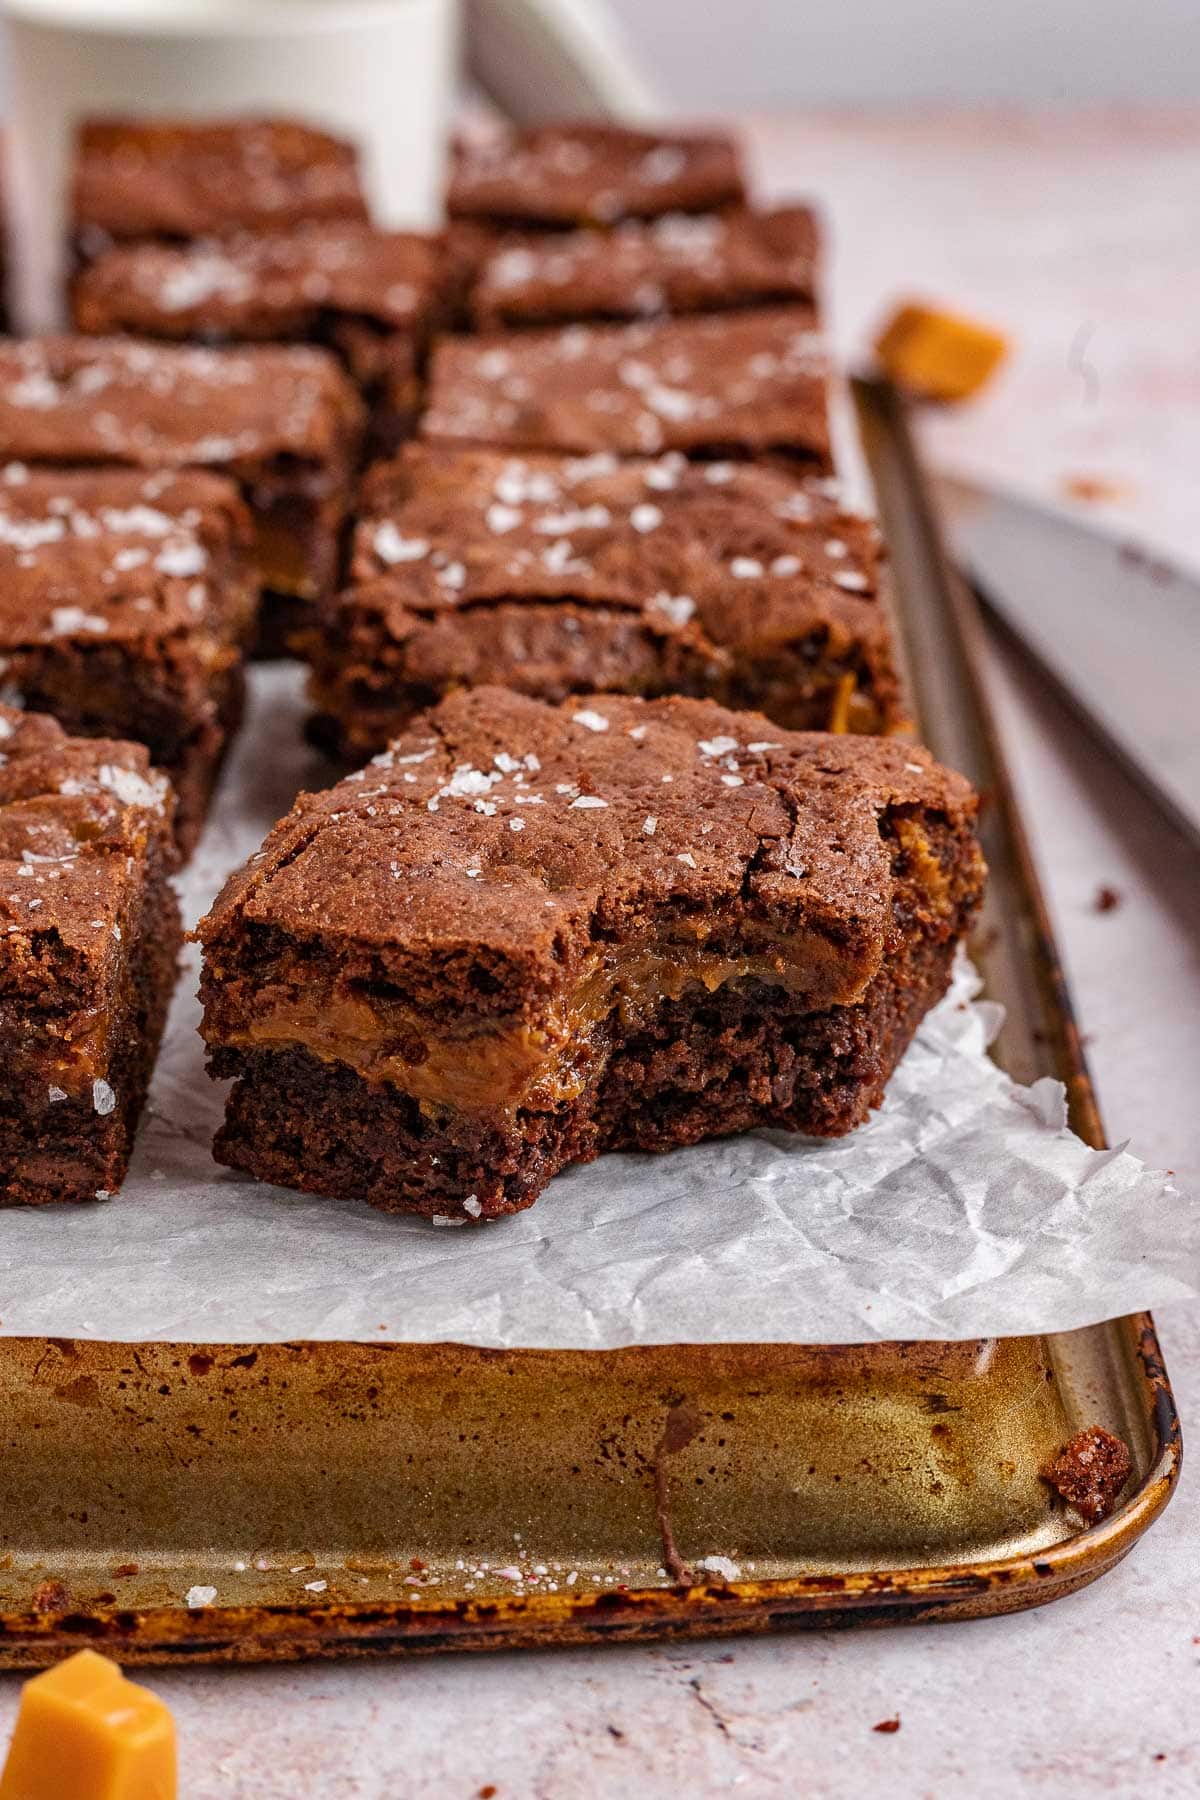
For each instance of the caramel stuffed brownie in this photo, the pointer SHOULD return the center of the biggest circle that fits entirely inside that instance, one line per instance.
(710, 262)
(728, 385)
(89, 935)
(374, 296)
(126, 602)
(283, 421)
(591, 174)
(176, 179)
(560, 575)
(528, 934)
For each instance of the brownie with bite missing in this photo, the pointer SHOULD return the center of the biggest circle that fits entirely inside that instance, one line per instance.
(126, 604)
(727, 385)
(527, 934)
(283, 421)
(562, 575)
(89, 937)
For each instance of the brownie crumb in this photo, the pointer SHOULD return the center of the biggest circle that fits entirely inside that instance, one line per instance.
(1107, 899)
(1090, 1471)
(887, 1726)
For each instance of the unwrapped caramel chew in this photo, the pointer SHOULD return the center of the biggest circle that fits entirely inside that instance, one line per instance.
(938, 355)
(85, 1733)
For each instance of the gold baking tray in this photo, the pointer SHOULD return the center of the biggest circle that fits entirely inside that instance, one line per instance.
(343, 1499)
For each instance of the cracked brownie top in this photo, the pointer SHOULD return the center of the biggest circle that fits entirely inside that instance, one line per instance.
(94, 556)
(491, 856)
(736, 383)
(595, 174)
(120, 400)
(183, 178)
(682, 263)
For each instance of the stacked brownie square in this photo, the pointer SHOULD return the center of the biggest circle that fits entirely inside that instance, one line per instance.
(253, 231)
(126, 601)
(600, 886)
(283, 422)
(89, 935)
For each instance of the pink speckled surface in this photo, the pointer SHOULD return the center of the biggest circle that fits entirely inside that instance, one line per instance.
(1081, 237)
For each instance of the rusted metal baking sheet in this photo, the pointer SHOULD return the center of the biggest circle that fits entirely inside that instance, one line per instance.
(244, 1503)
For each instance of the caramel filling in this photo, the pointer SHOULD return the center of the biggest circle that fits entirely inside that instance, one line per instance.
(532, 1065)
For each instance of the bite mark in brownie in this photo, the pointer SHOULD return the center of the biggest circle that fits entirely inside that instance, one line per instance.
(283, 421)
(374, 296)
(581, 173)
(527, 934)
(176, 179)
(682, 263)
(725, 385)
(89, 936)
(564, 575)
(126, 603)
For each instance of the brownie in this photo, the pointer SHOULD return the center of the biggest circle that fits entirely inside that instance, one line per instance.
(283, 421)
(737, 385)
(682, 263)
(559, 575)
(372, 295)
(527, 934)
(126, 601)
(176, 179)
(591, 174)
(89, 937)
(1090, 1471)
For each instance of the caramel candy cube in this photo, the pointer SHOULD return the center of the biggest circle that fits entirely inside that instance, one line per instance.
(938, 355)
(85, 1733)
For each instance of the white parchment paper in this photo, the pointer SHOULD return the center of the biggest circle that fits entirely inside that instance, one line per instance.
(964, 1208)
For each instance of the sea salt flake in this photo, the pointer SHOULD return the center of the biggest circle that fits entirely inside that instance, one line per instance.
(591, 721)
(66, 619)
(645, 517)
(718, 746)
(392, 547)
(500, 518)
(472, 1205)
(649, 825)
(199, 1596)
(745, 568)
(685, 856)
(181, 559)
(588, 800)
(721, 1565)
(849, 579)
(103, 1098)
(677, 607)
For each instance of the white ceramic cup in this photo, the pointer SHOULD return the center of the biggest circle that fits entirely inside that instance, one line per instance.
(380, 72)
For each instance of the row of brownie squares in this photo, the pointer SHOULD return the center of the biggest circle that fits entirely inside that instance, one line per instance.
(649, 553)
(769, 623)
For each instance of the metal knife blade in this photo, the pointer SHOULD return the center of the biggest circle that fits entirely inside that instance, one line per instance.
(1116, 627)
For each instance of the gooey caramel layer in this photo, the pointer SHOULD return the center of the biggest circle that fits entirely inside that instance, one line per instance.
(531, 1066)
